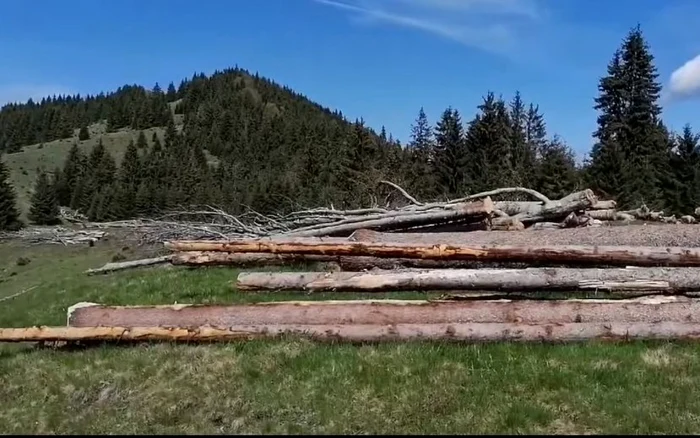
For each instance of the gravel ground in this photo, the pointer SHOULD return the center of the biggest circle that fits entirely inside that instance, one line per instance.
(629, 235)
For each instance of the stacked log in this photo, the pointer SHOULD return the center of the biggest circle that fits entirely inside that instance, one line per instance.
(667, 318)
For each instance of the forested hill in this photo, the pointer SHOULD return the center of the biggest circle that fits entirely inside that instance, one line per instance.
(275, 149)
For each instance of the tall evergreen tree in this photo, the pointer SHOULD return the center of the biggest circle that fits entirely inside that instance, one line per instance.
(9, 215)
(630, 158)
(489, 145)
(422, 149)
(449, 160)
(74, 168)
(523, 152)
(44, 203)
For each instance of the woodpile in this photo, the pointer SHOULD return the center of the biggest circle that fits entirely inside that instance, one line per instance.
(490, 292)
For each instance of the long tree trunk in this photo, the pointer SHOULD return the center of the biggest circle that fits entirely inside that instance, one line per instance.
(534, 279)
(389, 312)
(400, 219)
(564, 254)
(345, 263)
(528, 212)
(463, 332)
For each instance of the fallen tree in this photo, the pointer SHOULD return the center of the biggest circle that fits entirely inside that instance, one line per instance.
(462, 332)
(651, 310)
(565, 254)
(667, 280)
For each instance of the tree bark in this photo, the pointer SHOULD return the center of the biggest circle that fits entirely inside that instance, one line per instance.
(667, 280)
(460, 332)
(651, 309)
(564, 254)
(399, 219)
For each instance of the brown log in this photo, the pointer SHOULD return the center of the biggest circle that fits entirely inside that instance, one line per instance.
(667, 280)
(462, 332)
(399, 219)
(564, 254)
(346, 263)
(651, 309)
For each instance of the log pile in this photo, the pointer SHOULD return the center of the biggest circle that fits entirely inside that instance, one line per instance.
(492, 290)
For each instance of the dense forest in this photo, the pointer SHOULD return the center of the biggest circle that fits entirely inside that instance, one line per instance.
(276, 150)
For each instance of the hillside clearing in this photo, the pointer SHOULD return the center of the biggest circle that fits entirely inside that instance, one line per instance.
(295, 386)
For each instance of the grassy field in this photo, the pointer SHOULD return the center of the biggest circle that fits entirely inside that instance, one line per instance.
(296, 386)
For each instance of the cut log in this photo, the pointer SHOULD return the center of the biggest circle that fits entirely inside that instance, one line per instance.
(346, 263)
(457, 332)
(571, 254)
(652, 309)
(610, 215)
(667, 280)
(111, 267)
(399, 219)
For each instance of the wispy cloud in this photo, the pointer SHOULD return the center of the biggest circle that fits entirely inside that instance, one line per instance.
(20, 93)
(484, 24)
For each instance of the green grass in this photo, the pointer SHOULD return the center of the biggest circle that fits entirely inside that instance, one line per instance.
(297, 386)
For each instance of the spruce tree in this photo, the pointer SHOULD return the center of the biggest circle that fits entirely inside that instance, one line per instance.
(44, 204)
(489, 145)
(421, 147)
(523, 152)
(449, 162)
(141, 142)
(630, 158)
(9, 215)
(84, 134)
(556, 174)
(74, 168)
(686, 168)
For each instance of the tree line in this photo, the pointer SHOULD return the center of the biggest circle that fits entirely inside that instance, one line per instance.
(249, 143)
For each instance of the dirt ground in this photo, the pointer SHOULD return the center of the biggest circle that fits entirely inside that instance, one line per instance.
(630, 235)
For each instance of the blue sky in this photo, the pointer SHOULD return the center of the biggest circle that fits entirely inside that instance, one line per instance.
(378, 59)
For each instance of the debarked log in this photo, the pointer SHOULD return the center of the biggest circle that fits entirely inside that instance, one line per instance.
(457, 332)
(667, 280)
(651, 309)
(562, 254)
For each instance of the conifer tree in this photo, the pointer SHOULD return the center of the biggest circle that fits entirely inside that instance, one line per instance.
(83, 134)
(629, 161)
(9, 215)
(523, 152)
(422, 149)
(74, 168)
(449, 161)
(556, 173)
(44, 204)
(489, 145)
(141, 142)
(685, 162)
